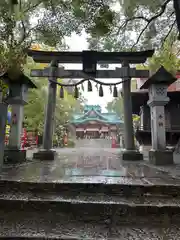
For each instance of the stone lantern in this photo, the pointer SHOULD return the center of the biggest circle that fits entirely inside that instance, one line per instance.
(157, 86)
(17, 98)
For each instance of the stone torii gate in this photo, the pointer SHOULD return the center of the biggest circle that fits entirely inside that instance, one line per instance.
(89, 61)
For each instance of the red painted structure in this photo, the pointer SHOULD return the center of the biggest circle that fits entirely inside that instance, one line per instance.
(173, 87)
(65, 139)
(113, 143)
(28, 139)
(23, 139)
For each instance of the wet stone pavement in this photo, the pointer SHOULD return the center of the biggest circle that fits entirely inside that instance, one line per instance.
(93, 165)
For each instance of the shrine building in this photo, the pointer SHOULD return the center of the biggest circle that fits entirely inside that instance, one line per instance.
(93, 123)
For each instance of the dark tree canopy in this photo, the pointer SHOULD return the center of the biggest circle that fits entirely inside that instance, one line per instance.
(128, 24)
(110, 24)
(139, 24)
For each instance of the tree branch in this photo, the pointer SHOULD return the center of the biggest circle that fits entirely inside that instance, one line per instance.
(141, 33)
(163, 8)
(24, 31)
(32, 7)
(125, 23)
(170, 29)
(26, 34)
(150, 20)
(176, 4)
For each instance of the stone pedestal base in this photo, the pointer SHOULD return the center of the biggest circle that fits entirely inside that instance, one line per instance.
(161, 157)
(44, 155)
(13, 156)
(129, 155)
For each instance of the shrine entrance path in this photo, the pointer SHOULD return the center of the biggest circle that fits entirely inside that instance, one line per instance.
(90, 164)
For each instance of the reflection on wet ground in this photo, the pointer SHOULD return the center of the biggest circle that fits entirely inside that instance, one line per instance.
(90, 165)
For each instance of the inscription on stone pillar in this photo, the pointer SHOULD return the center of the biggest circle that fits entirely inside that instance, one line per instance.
(161, 120)
(156, 103)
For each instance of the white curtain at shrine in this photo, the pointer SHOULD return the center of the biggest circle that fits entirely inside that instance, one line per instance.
(92, 129)
(79, 129)
(104, 129)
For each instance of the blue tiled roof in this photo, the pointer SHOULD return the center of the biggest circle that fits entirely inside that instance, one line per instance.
(90, 107)
(108, 117)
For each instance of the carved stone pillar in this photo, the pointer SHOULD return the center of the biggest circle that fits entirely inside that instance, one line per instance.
(17, 99)
(157, 100)
(157, 86)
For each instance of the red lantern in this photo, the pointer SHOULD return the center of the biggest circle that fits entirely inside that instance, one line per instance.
(24, 139)
(113, 143)
(65, 139)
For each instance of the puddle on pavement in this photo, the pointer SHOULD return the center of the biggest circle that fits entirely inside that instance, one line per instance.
(56, 170)
(84, 172)
(82, 163)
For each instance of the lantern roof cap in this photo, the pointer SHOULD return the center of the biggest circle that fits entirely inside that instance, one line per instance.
(21, 79)
(161, 76)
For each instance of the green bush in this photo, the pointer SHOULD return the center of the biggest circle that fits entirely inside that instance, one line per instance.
(60, 143)
(71, 143)
(55, 142)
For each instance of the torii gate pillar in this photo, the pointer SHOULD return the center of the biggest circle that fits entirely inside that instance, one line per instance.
(130, 153)
(47, 153)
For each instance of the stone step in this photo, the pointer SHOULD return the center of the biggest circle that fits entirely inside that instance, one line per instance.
(91, 211)
(91, 207)
(53, 225)
(84, 199)
(125, 188)
(122, 233)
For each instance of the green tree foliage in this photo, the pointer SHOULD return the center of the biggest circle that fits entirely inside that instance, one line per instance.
(167, 57)
(20, 27)
(46, 21)
(49, 21)
(37, 99)
(116, 105)
(125, 24)
(34, 110)
(111, 24)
